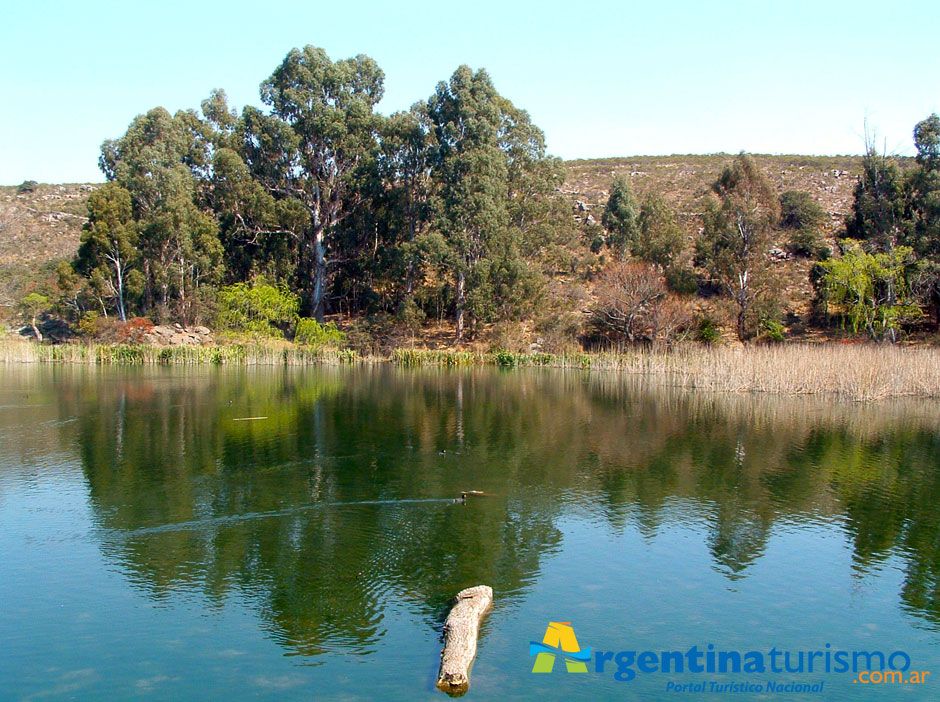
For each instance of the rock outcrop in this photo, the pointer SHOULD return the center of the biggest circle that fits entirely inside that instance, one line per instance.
(177, 335)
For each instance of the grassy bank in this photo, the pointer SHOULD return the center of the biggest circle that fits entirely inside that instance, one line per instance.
(847, 371)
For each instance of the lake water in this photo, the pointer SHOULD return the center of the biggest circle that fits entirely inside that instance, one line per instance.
(153, 546)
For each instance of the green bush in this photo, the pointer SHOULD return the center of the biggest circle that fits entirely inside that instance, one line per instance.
(27, 186)
(798, 210)
(88, 324)
(708, 331)
(681, 280)
(772, 330)
(309, 332)
(258, 309)
(808, 243)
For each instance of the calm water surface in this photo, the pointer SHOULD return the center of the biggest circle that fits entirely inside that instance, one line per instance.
(152, 547)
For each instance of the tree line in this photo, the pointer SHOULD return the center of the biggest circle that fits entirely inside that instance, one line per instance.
(439, 210)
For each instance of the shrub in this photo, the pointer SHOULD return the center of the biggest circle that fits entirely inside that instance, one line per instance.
(310, 332)
(772, 330)
(88, 324)
(258, 309)
(682, 280)
(809, 244)
(508, 336)
(634, 305)
(798, 210)
(376, 335)
(708, 331)
(27, 186)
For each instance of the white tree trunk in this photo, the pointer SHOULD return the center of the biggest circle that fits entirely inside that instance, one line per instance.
(461, 301)
(318, 302)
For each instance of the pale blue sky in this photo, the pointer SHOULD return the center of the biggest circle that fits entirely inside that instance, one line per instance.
(602, 78)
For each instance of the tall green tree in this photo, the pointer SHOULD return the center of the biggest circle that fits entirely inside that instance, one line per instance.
(621, 216)
(471, 175)
(163, 162)
(321, 128)
(736, 239)
(922, 233)
(493, 196)
(878, 210)
(108, 249)
(384, 258)
(659, 238)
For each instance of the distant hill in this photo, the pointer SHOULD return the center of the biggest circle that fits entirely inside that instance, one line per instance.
(38, 228)
(685, 180)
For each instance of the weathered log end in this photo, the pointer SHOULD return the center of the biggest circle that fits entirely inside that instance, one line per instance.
(461, 629)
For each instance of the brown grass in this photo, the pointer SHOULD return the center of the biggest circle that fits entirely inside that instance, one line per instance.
(860, 372)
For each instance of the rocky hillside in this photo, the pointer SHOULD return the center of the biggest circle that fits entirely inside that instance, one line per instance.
(38, 228)
(685, 182)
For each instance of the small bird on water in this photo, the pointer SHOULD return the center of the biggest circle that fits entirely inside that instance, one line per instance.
(461, 499)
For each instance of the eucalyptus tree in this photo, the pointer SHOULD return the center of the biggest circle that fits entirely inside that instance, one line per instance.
(492, 195)
(108, 250)
(536, 208)
(258, 233)
(620, 217)
(382, 239)
(163, 161)
(470, 175)
(878, 210)
(922, 232)
(659, 238)
(405, 163)
(736, 239)
(320, 130)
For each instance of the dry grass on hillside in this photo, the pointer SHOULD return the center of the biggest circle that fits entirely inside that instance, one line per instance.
(685, 180)
(41, 225)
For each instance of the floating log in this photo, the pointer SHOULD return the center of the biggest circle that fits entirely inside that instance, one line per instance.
(247, 419)
(460, 638)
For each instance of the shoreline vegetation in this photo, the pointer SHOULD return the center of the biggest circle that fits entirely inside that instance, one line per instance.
(854, 372)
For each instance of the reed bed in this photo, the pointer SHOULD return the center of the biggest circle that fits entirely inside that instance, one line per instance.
(15, 351)
(857, 372)
(861, 372)
(849, 371)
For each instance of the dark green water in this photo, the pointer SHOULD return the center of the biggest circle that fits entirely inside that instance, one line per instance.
(152, 547)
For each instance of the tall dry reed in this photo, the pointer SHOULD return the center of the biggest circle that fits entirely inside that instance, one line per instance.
(848, 371)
